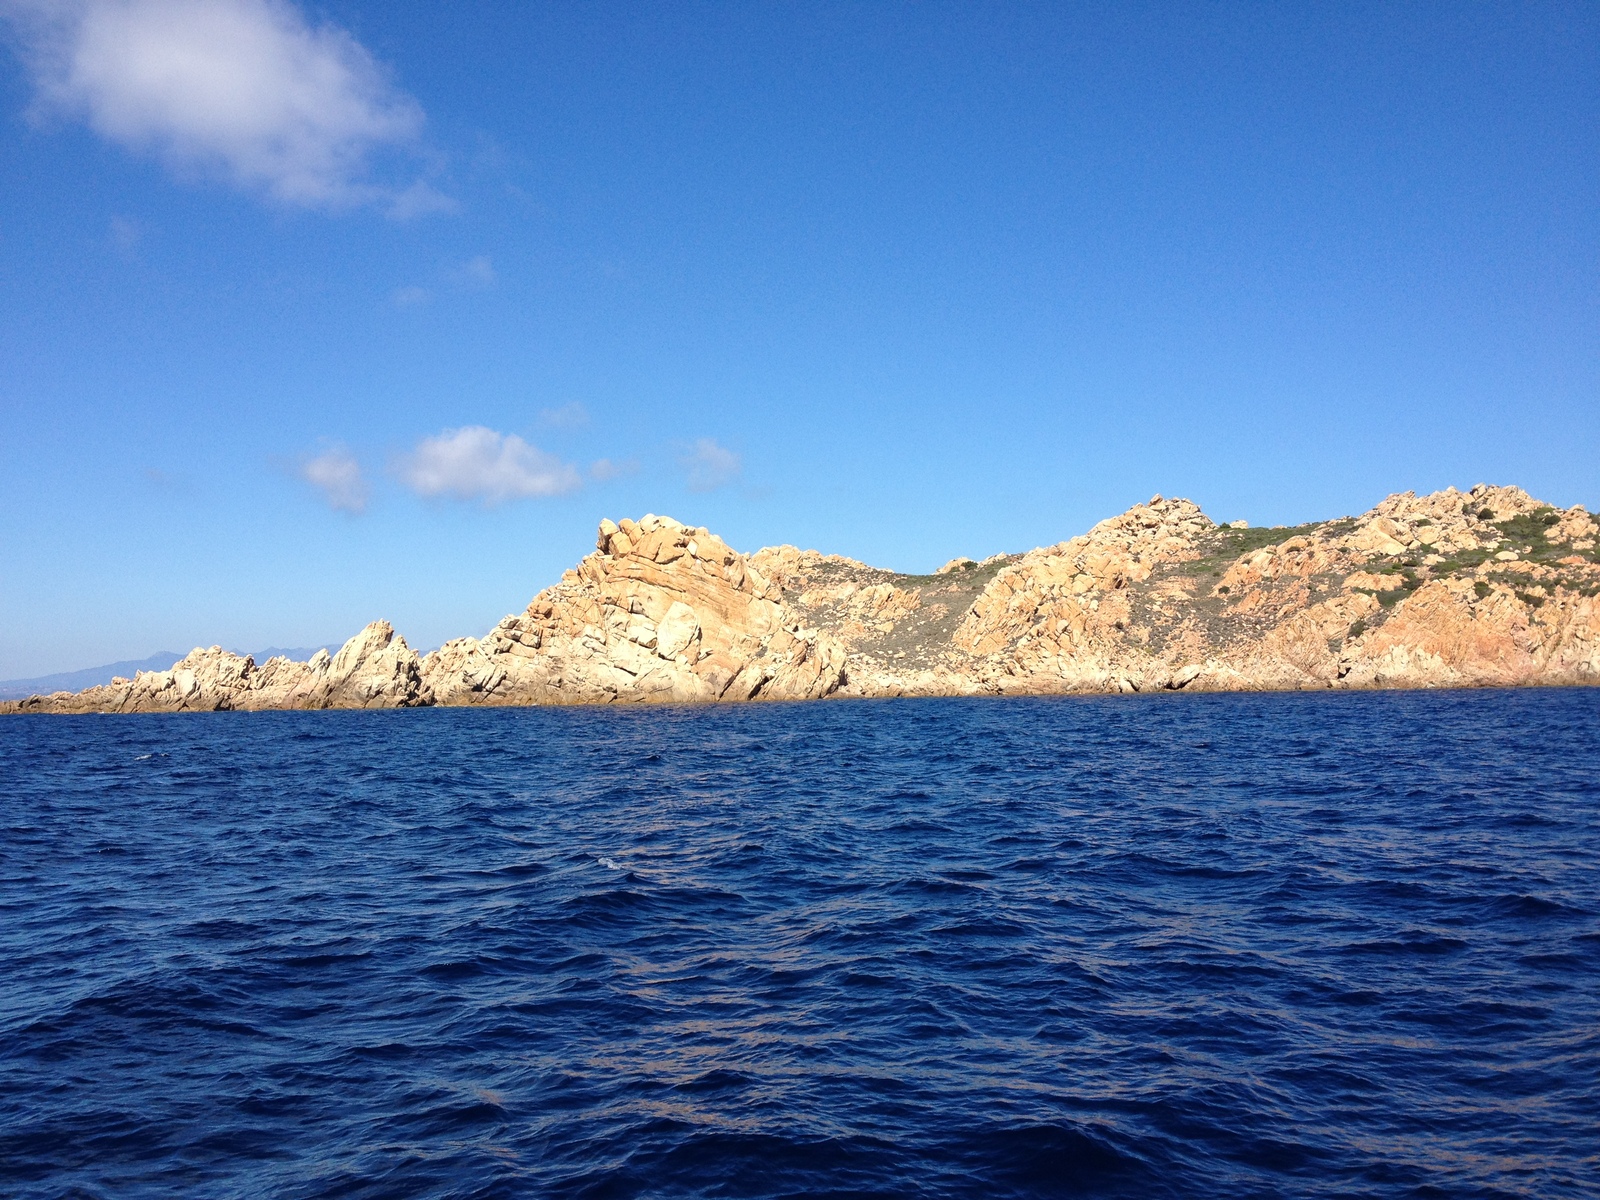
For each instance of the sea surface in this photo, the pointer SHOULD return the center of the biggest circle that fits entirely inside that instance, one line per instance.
(1192, 946)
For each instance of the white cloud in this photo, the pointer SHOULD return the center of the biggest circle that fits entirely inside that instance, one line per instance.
(709, 465)
(245, 88)
(337, 475)
(475, 463)
(408, 297)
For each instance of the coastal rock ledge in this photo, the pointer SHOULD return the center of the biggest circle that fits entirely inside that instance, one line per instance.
(1487, 587)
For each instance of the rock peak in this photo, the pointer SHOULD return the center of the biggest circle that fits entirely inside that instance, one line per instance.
(660, 611)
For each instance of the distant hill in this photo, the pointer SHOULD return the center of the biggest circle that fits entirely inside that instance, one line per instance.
(1487, 587)
(77, 681)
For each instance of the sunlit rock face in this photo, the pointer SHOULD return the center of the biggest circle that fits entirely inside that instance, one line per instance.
(661, 611)
(1484, 587)
(374, 669)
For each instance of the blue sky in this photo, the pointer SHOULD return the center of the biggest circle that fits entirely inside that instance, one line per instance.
(315, 314)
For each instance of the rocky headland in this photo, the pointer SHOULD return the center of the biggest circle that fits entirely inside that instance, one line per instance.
(1488, 587)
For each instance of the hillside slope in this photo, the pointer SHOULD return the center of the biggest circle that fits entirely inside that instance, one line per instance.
(1488, 587)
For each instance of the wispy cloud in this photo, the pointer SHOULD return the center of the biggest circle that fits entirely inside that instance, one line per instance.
(126, 235)
(566, 418)
(476, 463)
(418, 200)
(337, 475)
(709, 465)
(244, 88)
(476, 272)
(604, 470)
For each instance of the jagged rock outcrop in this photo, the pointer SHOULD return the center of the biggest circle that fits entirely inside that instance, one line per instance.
(374, 669)
(659, 612)
(1485, 587)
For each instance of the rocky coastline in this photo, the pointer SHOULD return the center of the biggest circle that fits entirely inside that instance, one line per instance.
(1487, 587)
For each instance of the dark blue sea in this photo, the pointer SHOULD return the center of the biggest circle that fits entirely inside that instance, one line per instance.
(1190, 946)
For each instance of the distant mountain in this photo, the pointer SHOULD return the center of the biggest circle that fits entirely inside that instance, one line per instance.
(77, 681)
(297, 653)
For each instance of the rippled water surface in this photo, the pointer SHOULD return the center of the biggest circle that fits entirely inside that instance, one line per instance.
(1334, 945)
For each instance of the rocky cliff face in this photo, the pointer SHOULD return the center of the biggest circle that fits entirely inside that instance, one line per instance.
(1486, 587)
(1454, 589)
(660, 611)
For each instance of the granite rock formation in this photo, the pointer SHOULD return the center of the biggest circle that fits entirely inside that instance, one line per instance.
(1488, 587)
(374, 669)
(660, 611)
